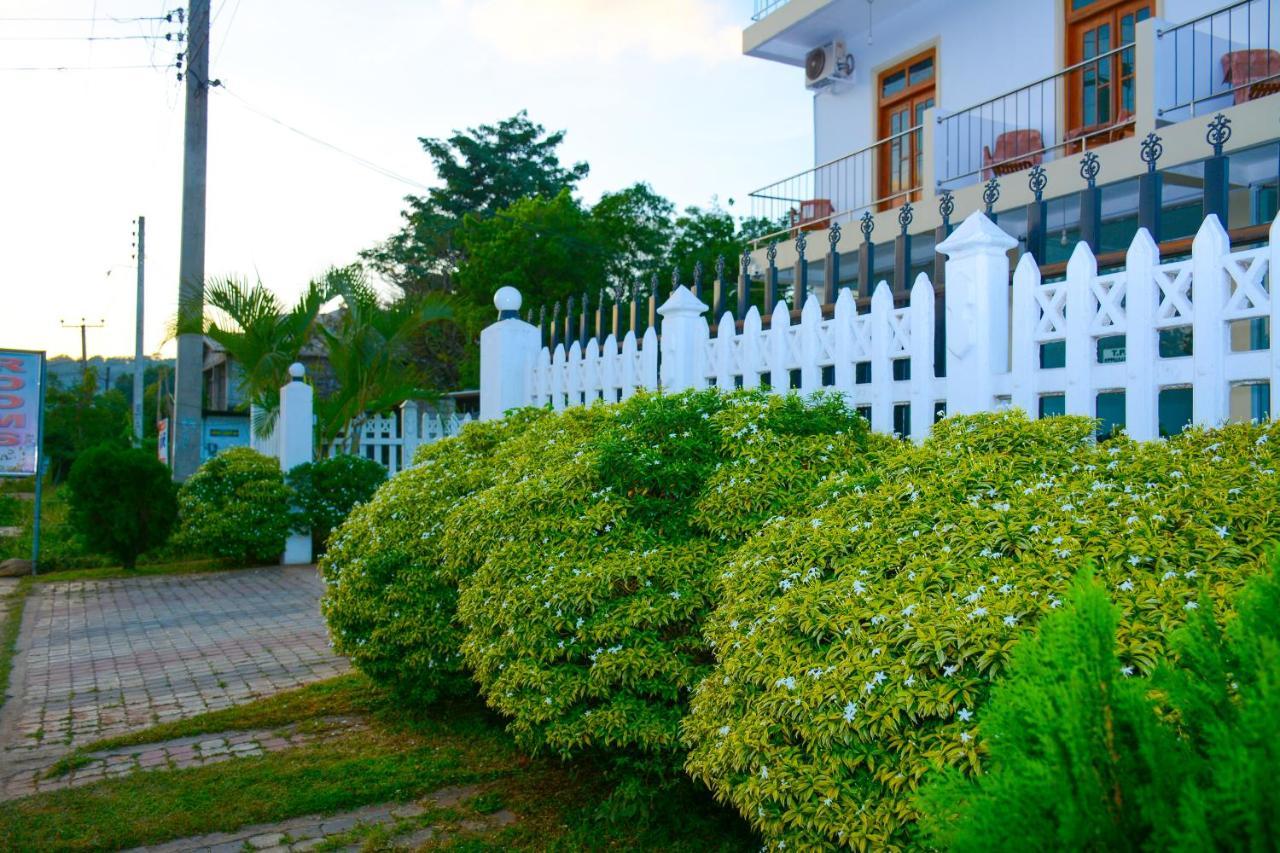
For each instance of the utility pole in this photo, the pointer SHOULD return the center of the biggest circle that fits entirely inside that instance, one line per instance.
(139, 372)
(84, 343)
(188, 381)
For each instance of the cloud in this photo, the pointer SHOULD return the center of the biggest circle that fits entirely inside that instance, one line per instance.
(553, 31)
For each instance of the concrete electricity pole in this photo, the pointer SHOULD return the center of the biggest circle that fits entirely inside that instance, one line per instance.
(139, 372)
(188, 382)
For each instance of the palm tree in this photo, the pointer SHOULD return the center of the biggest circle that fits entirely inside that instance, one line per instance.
(260, 334)
(368, 349)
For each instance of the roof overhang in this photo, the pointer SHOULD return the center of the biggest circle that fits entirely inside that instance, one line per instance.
(789, 32)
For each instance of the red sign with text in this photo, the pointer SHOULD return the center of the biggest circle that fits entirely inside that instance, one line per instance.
(19, 412)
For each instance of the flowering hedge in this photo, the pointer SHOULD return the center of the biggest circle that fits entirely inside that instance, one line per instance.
(236, 506)
(589, 566)
(389, 598)
(856, 643)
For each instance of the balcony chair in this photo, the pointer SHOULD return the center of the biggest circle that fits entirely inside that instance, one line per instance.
(1255, 72)
(1100, 133)
(1015, 150)
(813, 215)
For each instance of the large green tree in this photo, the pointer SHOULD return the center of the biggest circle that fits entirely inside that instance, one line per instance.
(481, 170)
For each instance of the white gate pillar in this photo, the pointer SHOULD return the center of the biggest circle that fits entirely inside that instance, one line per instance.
(507, 350)
(295, 434)
(977, 313)
(684, 335)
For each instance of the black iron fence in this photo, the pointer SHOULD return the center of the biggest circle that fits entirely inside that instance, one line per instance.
(1100, 215)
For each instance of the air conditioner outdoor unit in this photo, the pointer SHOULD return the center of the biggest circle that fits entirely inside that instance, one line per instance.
(827, 64)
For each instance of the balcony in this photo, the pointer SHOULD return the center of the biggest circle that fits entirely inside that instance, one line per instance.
(1169, 75)
(766, 7)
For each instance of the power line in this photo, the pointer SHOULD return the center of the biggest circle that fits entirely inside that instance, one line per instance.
(226, 34)
(368, 164)
(165, 37)
(77, 67)
(94, 19)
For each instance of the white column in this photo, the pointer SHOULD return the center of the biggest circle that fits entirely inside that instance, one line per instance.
(684, 337)
(410, 431)
(507, 350)
(977, 312)
(295, 432)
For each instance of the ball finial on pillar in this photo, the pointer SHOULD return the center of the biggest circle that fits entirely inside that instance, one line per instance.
(507, 300)
(297, 371)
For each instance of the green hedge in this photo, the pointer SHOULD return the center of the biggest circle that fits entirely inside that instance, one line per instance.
(326, 491)
(390, 599)
(856, 644)
(236, 506)
(815, 614)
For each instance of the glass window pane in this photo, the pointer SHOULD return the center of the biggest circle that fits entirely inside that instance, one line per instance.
(1175, 343)
(902, 419)
(1111, 349)
(1250, 402)
(1052, 405)
(921, 71)
(1053, 354)
(1174, 410)
(862, 373)
(901, 369)
(894, 83)
(1110, 412)
(1076, 5)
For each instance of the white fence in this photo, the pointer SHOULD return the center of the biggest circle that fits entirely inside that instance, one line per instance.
(1033, 345)
(391, 439)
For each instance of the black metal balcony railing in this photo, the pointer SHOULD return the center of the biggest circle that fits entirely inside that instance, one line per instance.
(1082, 106)
(884, 174)
(764, 7)
(1217, 60)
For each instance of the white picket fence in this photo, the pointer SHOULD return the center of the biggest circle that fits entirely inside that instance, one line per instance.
(392, 439)
(994, 335)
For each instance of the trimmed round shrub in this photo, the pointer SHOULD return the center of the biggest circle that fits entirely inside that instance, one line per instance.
(857, 642)
(589, 566)
(121, 501)
(327, 490)
(389, 598)
(237, 507)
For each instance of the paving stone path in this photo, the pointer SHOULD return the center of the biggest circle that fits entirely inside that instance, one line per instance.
(408, 826)
(98, 658)
(194, 751)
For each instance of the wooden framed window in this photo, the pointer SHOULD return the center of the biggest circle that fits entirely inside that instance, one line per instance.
(1100, 94)
(904, 91)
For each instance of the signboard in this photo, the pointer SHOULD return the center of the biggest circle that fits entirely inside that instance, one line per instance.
(222, 432)
(21, 402)
(162, 440)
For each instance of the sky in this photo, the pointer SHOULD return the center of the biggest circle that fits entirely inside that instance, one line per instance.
(647, 90)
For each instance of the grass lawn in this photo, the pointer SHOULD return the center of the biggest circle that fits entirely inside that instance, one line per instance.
(399, 756)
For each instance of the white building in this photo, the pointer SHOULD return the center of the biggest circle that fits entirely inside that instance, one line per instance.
(912, 97)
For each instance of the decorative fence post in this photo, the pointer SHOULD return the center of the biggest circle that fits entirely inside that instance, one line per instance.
(1210, 288)
(684, 340)
(410, 431)
(977, 312)
(507, 351)
(296, 447)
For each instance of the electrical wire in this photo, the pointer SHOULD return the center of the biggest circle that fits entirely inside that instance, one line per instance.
(368, 164)
(226, 34)
(75, 67)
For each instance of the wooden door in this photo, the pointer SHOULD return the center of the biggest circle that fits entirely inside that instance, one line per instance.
(905, 91)
(1100, 94)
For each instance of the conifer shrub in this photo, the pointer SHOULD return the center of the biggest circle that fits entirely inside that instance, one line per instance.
(589, 567)
(121, 501)
(856, 640)
(1083, 755)
(389, 597)
(236, 506)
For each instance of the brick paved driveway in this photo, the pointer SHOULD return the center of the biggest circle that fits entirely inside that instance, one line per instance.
(97, 658)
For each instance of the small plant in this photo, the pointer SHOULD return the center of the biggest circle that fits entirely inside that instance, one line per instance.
(236, 506)
(327, 490)
(121, 501)
(1084, 756)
